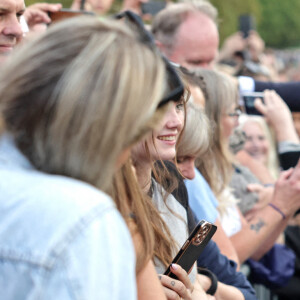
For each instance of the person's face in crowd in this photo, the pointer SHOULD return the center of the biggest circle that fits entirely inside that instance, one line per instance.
(197, 42)
(296, 119)
(100, 7)
(186, 166)
(230, 120)
(10, 29)
(257, 144)
(163, 141)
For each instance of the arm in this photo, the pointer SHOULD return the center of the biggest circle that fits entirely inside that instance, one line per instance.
(267, 222)
(258, 236)
(265, 194)
(148, 285)
(232, 44)
(278, 116)
(225, 270)
(225, 244)
(224, 291)
(257, 168)
(270, 241)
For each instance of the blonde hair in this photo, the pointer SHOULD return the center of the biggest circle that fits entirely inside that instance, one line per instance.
(79, 95)
(272, 159)
(195, 140)
(220, 93)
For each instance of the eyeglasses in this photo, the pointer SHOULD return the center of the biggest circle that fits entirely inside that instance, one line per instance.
(176, 87)
(237, 112)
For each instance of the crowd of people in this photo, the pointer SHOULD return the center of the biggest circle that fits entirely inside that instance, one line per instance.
(117, 138)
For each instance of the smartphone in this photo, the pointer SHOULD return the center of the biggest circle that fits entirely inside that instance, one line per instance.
(193, 247)
(249, 99)
(67, 13)
(246, 24)
(152, 7)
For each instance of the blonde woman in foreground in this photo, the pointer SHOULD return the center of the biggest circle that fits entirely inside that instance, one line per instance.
(72, 109)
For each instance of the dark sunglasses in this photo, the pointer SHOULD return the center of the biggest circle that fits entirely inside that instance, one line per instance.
(176, 87)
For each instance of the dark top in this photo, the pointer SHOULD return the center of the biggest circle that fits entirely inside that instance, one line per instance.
(211, 257)
(289, 159)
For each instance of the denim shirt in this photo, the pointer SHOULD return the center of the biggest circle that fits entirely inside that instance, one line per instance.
(60, 238)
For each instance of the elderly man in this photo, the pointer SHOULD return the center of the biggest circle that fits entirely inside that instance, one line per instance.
(187, 34)
(10, 27)
(11, 31)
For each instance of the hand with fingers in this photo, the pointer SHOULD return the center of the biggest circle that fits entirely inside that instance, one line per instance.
(255, 45)
(38, 13)
(287, 191)
(202, 283)
(177, 289)
(265, 194)
(232, 44)
(278, 115)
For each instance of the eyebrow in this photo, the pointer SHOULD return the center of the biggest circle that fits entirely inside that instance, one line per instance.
(7, 10)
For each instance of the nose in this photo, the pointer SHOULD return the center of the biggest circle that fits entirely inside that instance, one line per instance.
(13, 28)
(236, 121)
(175, 118)
(188, 169)
(208, 65)
(255, 143)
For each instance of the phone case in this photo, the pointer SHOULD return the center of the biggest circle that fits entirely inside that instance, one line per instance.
(193, 247)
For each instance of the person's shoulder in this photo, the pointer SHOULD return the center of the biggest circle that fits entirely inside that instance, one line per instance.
(54, 205)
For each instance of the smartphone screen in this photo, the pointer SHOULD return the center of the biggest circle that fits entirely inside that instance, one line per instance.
(249, 99)
(193, 247)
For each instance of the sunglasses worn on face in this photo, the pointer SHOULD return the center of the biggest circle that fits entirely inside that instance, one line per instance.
(176, 87)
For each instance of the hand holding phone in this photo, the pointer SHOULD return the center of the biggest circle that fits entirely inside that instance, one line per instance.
(249, 99)
(193, 247)
(246, 24)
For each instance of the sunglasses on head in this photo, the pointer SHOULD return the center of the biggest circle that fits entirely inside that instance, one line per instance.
(176, 87)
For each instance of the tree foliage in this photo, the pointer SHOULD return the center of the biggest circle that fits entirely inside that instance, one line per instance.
(280, 25)
(229, 12)
(278, 21)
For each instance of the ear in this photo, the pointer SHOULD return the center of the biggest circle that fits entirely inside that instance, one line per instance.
(160, 46)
